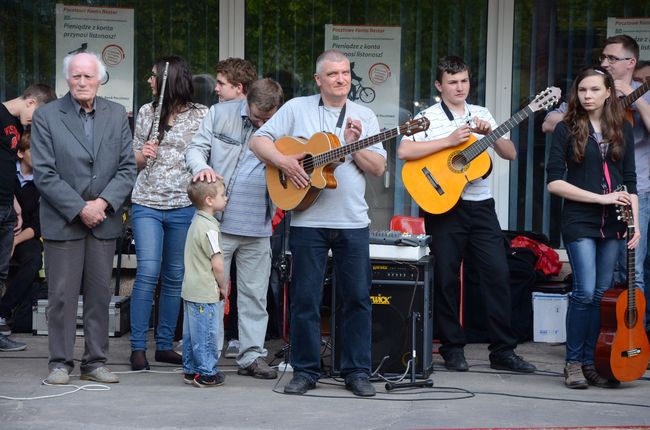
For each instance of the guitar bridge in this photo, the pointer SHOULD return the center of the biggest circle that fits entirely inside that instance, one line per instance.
(283, 179)
(631, 353)
(432, 181)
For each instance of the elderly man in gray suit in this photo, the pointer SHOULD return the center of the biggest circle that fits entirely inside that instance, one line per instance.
(85, 169)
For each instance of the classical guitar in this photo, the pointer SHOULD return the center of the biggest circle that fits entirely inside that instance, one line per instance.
(631, 98)
(622, 350)
(436, 181)
(323, 153)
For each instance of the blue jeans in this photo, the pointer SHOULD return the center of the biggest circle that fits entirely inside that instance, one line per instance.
(202, 329)
(7, 224)
(592, 262)
(309, 248)
(159, 246)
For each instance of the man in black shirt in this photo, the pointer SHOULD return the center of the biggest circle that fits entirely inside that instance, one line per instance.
(15, 114)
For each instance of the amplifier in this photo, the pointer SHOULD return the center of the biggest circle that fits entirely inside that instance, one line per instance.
(397, 289)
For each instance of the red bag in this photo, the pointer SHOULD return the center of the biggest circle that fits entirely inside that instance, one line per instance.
(548, 261)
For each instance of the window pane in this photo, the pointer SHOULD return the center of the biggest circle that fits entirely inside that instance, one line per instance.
(552, 41)
(162, 27)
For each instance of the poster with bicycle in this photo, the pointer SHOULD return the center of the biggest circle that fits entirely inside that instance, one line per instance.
(375, 54)
(106, 31)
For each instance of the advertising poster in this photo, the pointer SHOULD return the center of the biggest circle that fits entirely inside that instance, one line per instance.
(638, 28)
(106, 31)
(374, 54)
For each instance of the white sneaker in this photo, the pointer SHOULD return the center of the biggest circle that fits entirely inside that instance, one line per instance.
(58, 376)
(232, 350)
(101, 374)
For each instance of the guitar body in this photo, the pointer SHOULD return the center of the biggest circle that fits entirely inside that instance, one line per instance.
(437, 181)
(622, 351)
(282, 191)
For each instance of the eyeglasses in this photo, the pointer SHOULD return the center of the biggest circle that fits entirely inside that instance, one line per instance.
(611, 59)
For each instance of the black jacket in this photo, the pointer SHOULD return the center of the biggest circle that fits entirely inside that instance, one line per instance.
(590, 219)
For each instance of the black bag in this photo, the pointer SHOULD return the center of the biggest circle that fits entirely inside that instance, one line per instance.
(521, 262)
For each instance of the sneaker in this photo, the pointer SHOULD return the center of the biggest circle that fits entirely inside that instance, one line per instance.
(573, 376)
(101, 374)
(58, 376)
(215, 380)
(258, 369)
(232, 350)
(7, 344)
(188, 378)
(512, 362)
(593, 378)
(5, 330)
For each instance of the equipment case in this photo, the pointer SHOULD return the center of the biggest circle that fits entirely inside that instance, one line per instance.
(119, 321)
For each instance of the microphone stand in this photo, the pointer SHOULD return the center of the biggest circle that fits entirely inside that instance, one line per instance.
(413, 383)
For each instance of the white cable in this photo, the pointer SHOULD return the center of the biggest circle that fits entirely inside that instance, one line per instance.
(87, 387)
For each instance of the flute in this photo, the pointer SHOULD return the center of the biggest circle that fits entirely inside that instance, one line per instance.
(156, 119)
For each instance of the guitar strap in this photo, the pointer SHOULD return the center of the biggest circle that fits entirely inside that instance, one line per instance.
(450, 115)
(339, 122)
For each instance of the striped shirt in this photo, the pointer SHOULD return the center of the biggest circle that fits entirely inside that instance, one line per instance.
(441, 127)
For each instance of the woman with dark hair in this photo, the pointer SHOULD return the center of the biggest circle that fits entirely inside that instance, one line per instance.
(162, 212)
(591, 157)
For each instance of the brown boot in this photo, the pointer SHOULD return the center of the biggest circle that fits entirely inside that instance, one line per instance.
(593, 378)
(573, 377)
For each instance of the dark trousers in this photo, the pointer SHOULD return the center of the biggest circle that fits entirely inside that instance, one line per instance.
(350, 253)
(28, 258)
(470, 228)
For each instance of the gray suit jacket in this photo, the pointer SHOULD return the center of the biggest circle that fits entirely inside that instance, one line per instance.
(68, 173)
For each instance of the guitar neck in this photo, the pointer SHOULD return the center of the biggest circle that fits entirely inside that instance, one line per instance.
(631, 277)
(631, 98)
(477, 148)
(340, 152)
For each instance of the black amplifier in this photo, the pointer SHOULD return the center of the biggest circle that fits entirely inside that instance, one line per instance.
(397, 271)
(398, 289)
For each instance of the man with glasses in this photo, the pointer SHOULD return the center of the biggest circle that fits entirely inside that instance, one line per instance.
(220, 150)
(620, 57)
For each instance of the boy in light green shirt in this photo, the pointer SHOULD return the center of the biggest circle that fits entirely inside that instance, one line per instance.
(204, 287)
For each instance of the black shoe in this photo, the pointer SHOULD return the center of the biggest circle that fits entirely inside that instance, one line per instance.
(188, 378)
(169, 357)
(360, 387)
(139, 360)
(512, 362)
(299, 385)
(215, 380)
(455, 360)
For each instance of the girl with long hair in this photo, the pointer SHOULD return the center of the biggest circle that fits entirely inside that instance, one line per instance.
(591, 159)
(162, 212)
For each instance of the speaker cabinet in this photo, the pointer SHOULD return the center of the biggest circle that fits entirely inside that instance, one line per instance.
(397, 289)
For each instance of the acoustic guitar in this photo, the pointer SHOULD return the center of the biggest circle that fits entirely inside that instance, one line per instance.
(631, 98)
(622, 350)
(323, 153)
(436, 181)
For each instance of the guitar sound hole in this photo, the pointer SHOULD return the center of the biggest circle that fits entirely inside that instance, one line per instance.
(458, 162)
